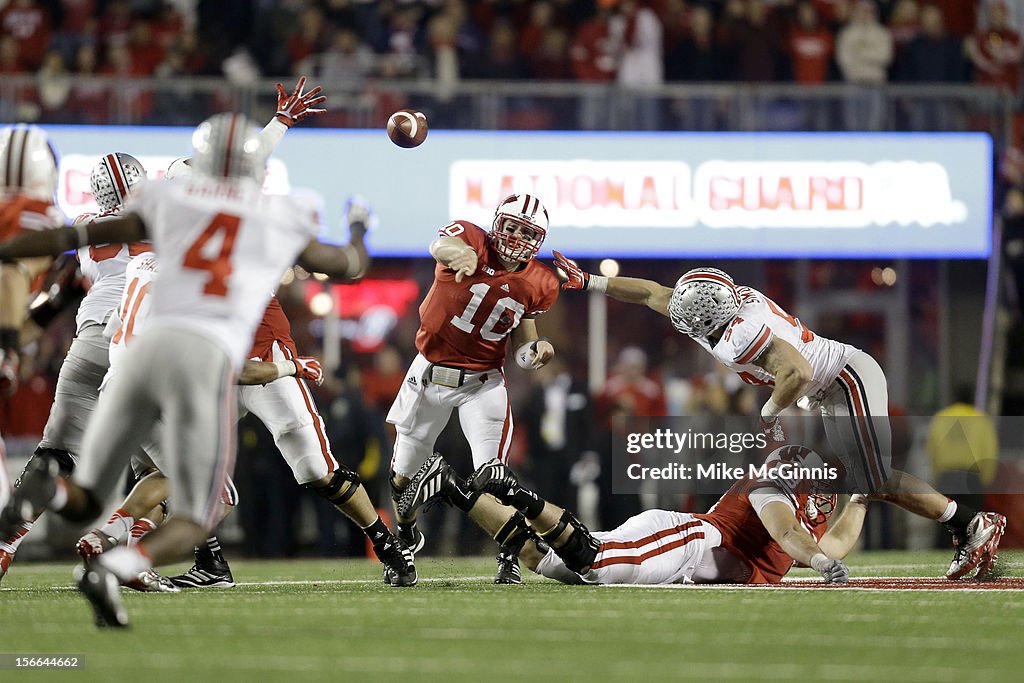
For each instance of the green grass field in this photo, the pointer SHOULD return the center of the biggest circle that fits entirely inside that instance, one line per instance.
(334, 620)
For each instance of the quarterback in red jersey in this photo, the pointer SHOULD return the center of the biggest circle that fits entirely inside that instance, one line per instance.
(487, 288)
(754, 534)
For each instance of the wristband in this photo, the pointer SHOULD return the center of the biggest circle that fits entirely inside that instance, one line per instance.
(818, 560)
(597, 283)
(286, 368)
(771, 410)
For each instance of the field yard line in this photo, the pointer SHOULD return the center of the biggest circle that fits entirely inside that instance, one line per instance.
(432, 579)
(314, 582)
(768, 587)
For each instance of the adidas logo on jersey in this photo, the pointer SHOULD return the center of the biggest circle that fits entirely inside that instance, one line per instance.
(504, 286)
(411, 381)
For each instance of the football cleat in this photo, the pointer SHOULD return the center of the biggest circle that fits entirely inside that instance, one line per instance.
(103, 591)
(151, 582)
(413, 538)
(978, 550)
(5, 563)
(399, 569)
(37, 488)
(217, 575)
(508, 567)
(495, 478)
(94, 543)
(433, 481)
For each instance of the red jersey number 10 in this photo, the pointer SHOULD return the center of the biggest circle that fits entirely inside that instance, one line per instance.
(225, 226)
(465, 321)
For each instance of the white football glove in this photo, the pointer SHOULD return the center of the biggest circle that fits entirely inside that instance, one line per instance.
(357, 210)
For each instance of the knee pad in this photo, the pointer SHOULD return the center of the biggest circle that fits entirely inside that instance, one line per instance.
(514, 533)
(331, 491)
(579, 551)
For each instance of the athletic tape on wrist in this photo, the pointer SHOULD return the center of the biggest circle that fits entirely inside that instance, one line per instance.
(771, 409)
(597, 283)
(286, 368)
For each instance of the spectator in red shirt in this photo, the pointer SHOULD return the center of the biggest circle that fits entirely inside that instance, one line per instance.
(592, 52)
(309, 37)
(10, 56)
(630, 388)
(89, 100)
(147, 52)
(996, 51)
(531, 37)
(29, 24)
(550, 61)
(116, 23)
(811, 46)
(593, 59)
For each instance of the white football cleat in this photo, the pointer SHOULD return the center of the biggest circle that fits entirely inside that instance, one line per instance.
(978, 550)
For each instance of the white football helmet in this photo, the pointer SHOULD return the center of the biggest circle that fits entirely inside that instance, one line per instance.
(179, 168)
(526, 212)
(113, 178)
(703, 300)
(229, 146)
(28, 162)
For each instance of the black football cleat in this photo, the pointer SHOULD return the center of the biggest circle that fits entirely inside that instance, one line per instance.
(38, 485)
(102, 589)
(399, 569)
(494, 477)
(205, 577)
(433, 481)
(508, 567)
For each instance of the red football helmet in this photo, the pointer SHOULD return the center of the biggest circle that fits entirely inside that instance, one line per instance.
(519, 227)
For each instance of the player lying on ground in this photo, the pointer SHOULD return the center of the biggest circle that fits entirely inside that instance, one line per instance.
(112, 181)
(751, 335)
(223, 246)
(488, 287)
(752, 535)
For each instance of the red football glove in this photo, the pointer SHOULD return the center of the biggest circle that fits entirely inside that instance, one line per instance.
(309, 368)
(570, 273)
(293, 108)
(773, 430)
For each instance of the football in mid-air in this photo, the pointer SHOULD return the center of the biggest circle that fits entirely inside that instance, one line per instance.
(407, 128)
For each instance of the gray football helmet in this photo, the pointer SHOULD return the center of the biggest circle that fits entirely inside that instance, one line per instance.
(113, 178)
(702, 301)
(229, 146)
(28, 162)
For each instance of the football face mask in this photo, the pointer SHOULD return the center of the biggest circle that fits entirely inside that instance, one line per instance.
(703, 300)
(519, 228)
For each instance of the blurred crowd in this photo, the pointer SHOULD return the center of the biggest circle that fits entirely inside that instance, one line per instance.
(637, 44)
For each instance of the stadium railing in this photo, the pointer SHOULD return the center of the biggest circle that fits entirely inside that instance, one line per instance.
(559, 105)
